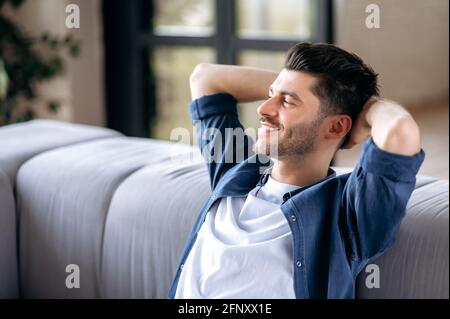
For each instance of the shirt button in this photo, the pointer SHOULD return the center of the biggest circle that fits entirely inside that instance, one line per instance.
(293, 218)
(299, 264)
(181, 266)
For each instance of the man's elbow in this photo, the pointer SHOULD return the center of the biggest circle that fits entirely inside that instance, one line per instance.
(200, 80)
(199, 73)
(403, 137)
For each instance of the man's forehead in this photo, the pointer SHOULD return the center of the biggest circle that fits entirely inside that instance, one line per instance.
(299, 83)
(294, 81)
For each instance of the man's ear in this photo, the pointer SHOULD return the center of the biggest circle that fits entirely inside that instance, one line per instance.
(339, 126)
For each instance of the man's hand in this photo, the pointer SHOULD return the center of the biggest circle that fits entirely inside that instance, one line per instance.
(392, 128)
(361, 129)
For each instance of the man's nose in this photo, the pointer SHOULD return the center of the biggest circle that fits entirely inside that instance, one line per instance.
(269, 108)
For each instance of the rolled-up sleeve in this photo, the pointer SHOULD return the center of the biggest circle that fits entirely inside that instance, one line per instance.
(221, 137)
(374, 201)
(211, 105)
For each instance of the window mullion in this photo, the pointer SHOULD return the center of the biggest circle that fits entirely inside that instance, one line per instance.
(324, 27)
(225, 31)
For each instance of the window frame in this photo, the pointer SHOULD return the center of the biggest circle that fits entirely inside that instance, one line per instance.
(130, 81)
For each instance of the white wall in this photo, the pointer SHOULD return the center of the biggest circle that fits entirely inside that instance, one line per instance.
(410, 50)
(87, 76)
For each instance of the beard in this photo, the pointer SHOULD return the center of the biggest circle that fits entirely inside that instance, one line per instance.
(297, 141)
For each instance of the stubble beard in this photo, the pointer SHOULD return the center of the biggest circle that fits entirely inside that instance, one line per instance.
(296, 142)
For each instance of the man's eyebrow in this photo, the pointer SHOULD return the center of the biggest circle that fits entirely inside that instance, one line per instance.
(291, 94)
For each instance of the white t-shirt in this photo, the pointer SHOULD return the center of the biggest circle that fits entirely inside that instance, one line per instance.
(243, 249)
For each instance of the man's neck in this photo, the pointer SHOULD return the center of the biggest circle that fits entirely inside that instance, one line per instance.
(300, 173)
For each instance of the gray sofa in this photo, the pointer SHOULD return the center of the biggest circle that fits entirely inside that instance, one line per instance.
(121, 209)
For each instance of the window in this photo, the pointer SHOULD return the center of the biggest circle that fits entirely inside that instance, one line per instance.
(172, 67)
(150, 54)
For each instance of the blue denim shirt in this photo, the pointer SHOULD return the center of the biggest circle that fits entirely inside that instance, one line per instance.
(338, 224)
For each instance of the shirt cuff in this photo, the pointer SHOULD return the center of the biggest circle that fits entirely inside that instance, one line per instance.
(393, 166)
(218, 103)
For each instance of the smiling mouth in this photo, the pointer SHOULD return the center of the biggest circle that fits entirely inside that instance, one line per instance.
(268, 127)
(265, 131)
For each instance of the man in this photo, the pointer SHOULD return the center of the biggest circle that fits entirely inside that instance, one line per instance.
(297, 230)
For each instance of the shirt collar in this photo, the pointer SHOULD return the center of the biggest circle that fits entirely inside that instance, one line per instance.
(265, 176)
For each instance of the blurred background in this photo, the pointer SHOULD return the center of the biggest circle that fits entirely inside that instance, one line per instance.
(127, 65)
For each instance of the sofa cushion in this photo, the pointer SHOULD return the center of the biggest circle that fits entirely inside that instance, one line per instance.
(148, 222)
(19, 143)
(417, 266)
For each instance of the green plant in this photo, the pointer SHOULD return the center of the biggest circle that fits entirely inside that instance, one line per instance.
(22, 66)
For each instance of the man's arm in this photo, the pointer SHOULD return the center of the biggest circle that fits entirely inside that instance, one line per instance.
(392, 128)
(245, 84)
(216, 90)
(378, 189)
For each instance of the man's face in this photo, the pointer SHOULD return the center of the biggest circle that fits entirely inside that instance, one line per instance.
(290, 117)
